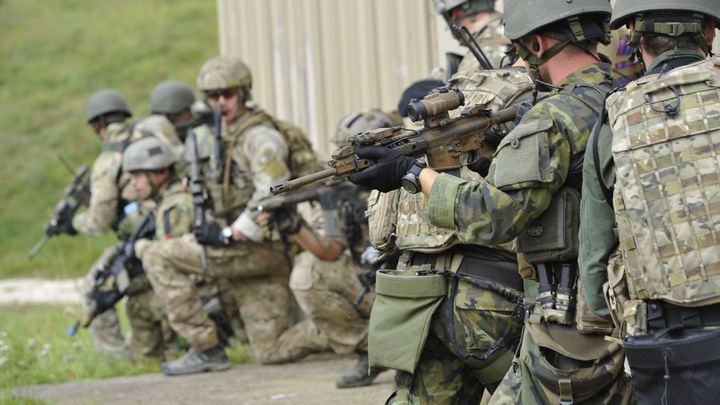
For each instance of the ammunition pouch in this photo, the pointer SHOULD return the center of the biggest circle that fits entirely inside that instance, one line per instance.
(553, 236)
(586, 320)
(382, 218)
(678, 367)
(615, 290)
(570, 368)
(401, 316)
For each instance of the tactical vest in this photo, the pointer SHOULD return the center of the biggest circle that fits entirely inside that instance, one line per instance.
(495, 89)
(666, 141)
(232, 189)
(119, 137)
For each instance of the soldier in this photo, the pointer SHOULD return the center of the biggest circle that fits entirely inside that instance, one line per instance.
(150, 162)
(653, 163)
(253, 152)
(325, 279)
(107, 114)
(483, 23)
(174, 100)
(531, 187)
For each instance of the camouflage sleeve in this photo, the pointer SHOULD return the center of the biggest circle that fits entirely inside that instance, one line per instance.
(104, 196)
(597, 233)
(494, 210)
(267, 154)
(174, 216)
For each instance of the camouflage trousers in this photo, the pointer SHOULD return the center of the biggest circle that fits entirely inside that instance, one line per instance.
(325, 292)
(105, 328)
(258, 275)
(450, 369)
(150, 332)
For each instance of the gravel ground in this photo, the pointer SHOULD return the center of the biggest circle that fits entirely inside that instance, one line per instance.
(304, 383)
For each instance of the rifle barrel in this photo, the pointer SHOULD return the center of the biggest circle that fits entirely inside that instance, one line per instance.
(36, 249)
(302, 181)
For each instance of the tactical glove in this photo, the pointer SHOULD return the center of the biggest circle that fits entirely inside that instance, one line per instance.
(386, 173)
(210, 234)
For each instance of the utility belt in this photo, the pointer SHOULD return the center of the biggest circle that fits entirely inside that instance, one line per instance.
(471, 262)
(663, 315)
(407, 299)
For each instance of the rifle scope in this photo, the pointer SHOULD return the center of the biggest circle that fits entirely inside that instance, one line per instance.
(438, 102)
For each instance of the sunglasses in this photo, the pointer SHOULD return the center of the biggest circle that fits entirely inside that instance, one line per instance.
(214, 95)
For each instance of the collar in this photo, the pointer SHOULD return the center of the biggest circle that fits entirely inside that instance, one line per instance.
(673, 58)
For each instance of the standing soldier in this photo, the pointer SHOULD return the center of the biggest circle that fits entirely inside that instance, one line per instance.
(530, 193)
(655, 164)
(252, 152)
(485, 26)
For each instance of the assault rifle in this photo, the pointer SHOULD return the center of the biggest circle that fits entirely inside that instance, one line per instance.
(313, 193)
(106, 292)
(200, 198)
(77, 193)
(443, 140)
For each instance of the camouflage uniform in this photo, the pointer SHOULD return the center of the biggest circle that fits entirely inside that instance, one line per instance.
(326, 290)
(497, 209)
(472, 333)
(109, 189)
(258, 271)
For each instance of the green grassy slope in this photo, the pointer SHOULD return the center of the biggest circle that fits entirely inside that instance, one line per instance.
(53, 55)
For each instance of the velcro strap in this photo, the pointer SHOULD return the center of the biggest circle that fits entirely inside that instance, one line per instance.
(674, 29)
(663, 315)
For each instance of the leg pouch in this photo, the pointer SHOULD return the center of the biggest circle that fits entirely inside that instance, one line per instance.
(675, 367)
(401, 317)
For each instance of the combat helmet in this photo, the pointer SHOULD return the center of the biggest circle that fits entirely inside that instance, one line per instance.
(171, 97)
(586, 23)
(471, 7)
(351, 124)
(224, 72)
(676, 18)
(104, 102)
(149, 153)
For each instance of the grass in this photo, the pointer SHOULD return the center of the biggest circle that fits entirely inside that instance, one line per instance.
(35, 349)
(55, 54)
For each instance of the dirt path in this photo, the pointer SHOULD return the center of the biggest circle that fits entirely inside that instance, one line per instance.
(18, 291)
(304, 383)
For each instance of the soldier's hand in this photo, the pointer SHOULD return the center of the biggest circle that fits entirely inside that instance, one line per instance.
(386, 173)
(209, 233)
(287, 222)
(56, 228)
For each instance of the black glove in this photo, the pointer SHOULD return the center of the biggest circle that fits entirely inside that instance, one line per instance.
(209, 233)
(385, 174)
(480, 166)
(57, 228)
(287, 222)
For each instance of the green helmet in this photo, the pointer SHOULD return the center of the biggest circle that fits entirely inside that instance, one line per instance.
(149, 153)
(471, 7)
(106, 101)
(223, 72)
(625, 9)
(171, 97)
(523, 17)
(352, 124)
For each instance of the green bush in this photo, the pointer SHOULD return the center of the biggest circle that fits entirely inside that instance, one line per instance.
(54, 55)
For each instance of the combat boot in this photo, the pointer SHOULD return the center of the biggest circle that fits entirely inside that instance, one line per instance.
(359, 377)
(195, 361)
